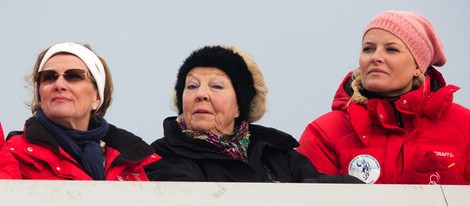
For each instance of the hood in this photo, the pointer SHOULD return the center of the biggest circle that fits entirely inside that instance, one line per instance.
(430, 100)
(343, 93)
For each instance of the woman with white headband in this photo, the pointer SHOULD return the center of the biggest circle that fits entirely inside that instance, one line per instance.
(67, 137)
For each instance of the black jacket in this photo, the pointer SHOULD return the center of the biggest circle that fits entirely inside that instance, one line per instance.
(271, 158)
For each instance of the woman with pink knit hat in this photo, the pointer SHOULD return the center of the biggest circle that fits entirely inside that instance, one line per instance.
(393, 120)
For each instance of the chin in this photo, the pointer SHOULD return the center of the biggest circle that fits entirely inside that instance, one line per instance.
(57, 115)
(201, 127)
(375, 87)
(59, 112)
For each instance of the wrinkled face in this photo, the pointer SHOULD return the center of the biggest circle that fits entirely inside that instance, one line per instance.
(209, 101)
(386, 64)
(67, 95)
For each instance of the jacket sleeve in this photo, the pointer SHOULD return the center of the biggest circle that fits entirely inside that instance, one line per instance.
(318, 139)
(9, 167)
(304, 171)
(467, 169)
(2, 136)
(301, 168)
(174, 169)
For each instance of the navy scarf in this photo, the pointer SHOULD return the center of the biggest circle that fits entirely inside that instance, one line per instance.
(84, 146)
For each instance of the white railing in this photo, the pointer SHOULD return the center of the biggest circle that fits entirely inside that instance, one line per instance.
(84, 193)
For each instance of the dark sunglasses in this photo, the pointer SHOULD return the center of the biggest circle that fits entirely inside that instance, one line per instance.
(70, 75)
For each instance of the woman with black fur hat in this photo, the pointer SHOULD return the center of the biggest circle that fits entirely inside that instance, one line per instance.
(219, 93)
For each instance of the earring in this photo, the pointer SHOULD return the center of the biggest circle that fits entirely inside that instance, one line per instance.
(417, 72)
(94, 108)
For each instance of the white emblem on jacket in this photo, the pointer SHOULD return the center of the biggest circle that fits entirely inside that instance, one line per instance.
(365, 167)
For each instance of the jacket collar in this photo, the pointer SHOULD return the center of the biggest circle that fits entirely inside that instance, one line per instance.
(131, 147)
(177, 142)
(429, 100)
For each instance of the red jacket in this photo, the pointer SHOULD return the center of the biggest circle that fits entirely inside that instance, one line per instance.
(421, 137)
(8, 165)
(2, 137)
(40, 157)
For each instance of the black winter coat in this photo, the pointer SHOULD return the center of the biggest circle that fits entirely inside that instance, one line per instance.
(271, 158)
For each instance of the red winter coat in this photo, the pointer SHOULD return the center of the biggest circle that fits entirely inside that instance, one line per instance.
(40, 157)
(432, 145)
(2, 138)
(8, 165)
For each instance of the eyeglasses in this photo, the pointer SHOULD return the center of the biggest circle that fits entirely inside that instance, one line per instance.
(70, 75)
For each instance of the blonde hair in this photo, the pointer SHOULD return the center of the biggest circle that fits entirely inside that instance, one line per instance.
(356, 86)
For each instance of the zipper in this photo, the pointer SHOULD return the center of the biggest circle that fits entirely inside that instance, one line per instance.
(397, 115)
(136, 176)
(268, 173)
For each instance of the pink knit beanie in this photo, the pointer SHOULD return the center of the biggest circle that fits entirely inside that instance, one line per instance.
(416, 32)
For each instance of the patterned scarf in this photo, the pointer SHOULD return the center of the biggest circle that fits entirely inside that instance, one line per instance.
(83, 146)
(234, 145)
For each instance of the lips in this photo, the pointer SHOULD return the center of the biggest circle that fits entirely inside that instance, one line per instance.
(60, 99)
(202, 111)
(376, 71)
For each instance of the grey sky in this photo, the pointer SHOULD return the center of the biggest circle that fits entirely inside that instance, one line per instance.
(304, 49)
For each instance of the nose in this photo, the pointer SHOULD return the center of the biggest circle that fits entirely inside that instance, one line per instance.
(202, 94)
(59, 84)
(202, 98)
(377, 57)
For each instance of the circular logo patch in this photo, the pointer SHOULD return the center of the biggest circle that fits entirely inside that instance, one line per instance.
(365, 167)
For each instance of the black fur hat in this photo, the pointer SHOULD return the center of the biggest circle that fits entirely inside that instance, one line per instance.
(229, 62)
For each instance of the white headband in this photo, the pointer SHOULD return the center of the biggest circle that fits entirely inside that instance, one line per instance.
(91, 60)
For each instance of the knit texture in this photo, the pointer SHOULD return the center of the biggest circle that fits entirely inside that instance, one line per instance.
(417, 34)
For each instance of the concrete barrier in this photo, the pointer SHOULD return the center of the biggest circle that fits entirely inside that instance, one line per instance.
(84, 193)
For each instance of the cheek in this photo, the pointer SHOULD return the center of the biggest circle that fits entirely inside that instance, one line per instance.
(364, 80)
(405, 69)
(186, 103)
(88, 93)
(87, 97)
(229, 106)
(363, 62)
(43, 93)
(186, 107)
(236, 112)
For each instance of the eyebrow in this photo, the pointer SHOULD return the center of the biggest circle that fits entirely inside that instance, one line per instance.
(386, 44)
(392, 43)
(195, 75)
